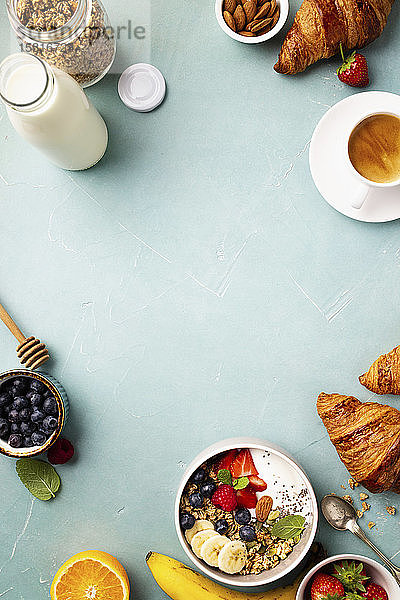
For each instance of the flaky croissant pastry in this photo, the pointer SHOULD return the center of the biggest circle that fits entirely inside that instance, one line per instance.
(383, 377)
(320, 26)
(367, 439)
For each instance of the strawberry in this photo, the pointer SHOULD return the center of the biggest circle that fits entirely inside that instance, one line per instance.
(375, 592)
(326, 587)
(224, 497)
(243, 465)
(257, 483)
(227, 459)
(354, 70)
(351, 574)
(247, 498)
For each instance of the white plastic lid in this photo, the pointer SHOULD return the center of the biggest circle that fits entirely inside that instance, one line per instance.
(142, 87)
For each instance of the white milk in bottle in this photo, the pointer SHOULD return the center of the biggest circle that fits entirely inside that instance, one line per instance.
(50, 110)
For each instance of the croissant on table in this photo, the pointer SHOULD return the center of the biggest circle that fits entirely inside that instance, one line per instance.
(321, 25)
(367, 439)
(383, 377)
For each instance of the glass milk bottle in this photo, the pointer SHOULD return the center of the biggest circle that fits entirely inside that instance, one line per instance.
(49, 109)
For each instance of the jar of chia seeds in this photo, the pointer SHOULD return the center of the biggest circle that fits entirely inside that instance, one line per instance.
(73, 35)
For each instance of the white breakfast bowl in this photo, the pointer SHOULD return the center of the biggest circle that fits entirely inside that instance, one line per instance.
(378, 573)
(273, 459)
(259, 39)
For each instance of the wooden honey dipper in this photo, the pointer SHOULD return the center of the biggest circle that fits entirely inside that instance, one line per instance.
(31, 352)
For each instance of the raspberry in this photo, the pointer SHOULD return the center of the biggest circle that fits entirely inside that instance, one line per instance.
(224, 497)
(61, 452)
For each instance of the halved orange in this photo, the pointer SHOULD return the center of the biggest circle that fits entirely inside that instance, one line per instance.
(90, 575)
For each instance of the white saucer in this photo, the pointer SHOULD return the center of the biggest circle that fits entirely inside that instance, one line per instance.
(333, 179)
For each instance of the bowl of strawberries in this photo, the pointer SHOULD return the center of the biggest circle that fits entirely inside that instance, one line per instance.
(348, 577)
(245, 512)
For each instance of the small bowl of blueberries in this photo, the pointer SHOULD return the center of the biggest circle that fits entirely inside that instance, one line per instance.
(33, 410)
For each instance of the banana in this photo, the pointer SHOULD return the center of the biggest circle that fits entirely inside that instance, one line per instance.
(199, 525)
(179, 582)
(232, 557)
(199, 539)
(211, 548)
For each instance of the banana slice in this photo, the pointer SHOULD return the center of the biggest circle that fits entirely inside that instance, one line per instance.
(199, 539)
(199, 525)
(211, 548)
(232, 557)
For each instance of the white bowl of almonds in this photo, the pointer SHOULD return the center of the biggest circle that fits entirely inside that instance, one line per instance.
(251, 21)
(245, 512)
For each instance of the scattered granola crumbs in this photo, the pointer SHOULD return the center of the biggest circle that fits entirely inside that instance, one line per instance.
(391, 510)
(353, 483)
(363, 496)
(371, 524)
(343, 487)
(365, 506)
(360, 514)
(348, 498)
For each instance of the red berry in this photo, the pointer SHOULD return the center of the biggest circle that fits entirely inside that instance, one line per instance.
(224, 497)
(354, 70)
(227, 459)
(326, 587)
(257, 483)
(60, 452)
(243, 465)
(247, 498)
(375, 592)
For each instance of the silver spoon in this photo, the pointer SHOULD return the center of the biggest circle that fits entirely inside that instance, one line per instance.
(341, 515)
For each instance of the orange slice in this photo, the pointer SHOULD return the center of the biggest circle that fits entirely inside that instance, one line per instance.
(90, 575)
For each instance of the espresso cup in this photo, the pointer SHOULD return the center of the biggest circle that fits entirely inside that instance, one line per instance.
(365, 186)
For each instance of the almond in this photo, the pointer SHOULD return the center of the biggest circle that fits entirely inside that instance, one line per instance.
(247, 33)
(275, 18)
(229, 6)
(263, 508)
(229, 20)
(264, 11)
(260, 25)
(240, 18)
(250, 25)
(250, 8)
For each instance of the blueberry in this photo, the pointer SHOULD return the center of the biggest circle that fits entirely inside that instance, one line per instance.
(7, 409)
(247, 533)
(13, 416)
(4, 428)
(15, 440)
(28, 442)
(48, 394)
(38, 386)
(208, 488)
(199, 476)
(14, 428)
(242, 516)
(34, 398)
(187, 521)
(20, 402)
(221, 526)
(20, 384)
(26, 428)
(196, 500)
(25, 414)
(49, 424)
(4, 399)
(38, 438)
(37, 416)
(50, 406)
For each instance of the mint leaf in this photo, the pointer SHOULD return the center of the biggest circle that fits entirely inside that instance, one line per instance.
(225, 476)
(241, 483)
(39, 477)
(288, 527)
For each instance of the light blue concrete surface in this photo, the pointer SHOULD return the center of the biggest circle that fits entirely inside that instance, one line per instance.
(191, 287)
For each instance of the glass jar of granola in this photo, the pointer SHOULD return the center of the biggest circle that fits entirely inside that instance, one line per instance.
(73, 35)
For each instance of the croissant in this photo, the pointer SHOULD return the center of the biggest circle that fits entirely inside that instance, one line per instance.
(320, 26)
(367, 439)
(383, 377)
